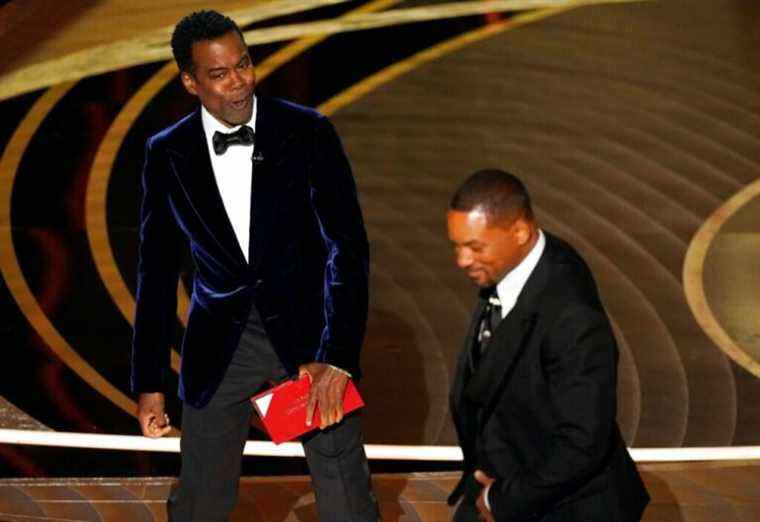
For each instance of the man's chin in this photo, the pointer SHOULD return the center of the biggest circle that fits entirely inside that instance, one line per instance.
(235, 118)
(480, 281)
(240, 119)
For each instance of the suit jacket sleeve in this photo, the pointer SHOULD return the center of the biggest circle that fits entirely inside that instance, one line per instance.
(579, 358)
(335, 204)
(157, 277)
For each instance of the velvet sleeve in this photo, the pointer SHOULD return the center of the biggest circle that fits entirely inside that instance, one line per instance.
(336, 206)
(157, 278)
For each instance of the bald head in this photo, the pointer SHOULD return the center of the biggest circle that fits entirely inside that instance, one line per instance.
(501, 196)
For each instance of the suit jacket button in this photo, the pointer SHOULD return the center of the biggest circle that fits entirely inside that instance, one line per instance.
(258, 283)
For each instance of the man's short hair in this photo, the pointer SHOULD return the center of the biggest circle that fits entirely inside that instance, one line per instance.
(197, 27)
(500, 195)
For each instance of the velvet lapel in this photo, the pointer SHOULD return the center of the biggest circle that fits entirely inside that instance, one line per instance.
(264, 200)
(192, 165)
(509, 341)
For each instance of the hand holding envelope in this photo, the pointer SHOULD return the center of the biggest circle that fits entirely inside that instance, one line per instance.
(283, 409)
(328, 385)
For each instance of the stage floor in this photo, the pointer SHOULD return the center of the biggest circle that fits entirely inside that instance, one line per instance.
(695, 492)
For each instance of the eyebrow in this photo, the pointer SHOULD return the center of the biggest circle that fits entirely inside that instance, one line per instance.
(244, 57)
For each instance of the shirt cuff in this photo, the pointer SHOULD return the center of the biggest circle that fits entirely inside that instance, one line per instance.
(485, 497)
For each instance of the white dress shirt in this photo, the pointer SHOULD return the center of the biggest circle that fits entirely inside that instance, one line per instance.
(234, 176)
(509, 289)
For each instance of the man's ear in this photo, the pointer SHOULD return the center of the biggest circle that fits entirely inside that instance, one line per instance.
(189, 82)
(522, 232)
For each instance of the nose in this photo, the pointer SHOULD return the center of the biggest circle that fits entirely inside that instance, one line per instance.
(237, 79)
(464, 258)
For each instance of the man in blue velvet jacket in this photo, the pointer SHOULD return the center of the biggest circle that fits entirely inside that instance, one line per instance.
(262, 192)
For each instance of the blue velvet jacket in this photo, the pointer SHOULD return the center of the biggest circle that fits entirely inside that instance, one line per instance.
(309, 256)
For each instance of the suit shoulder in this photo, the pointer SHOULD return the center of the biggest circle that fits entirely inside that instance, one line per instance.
(571, 279)
(171, 133)
(292, 114)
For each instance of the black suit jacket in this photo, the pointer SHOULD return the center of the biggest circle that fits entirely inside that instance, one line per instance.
(308, 269)
(538, 413)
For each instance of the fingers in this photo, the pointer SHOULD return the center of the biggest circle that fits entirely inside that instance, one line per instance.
(311, 405)
(154, 425)
(335, 401)
(320, 388)
(483, 512)
(332, 397)
(325, 403)
(159, 426)
(154, 422)
(327, 388)
(482, 478)
(145, 426)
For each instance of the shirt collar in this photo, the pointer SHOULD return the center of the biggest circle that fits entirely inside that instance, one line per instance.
(212, 125)
(509, 288)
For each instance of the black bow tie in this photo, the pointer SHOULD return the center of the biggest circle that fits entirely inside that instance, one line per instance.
(243, 136)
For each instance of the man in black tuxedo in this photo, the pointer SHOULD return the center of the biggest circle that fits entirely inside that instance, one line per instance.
(534, 397)
(262, 192)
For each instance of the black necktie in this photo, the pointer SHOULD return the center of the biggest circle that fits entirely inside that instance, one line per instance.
(489, 320)
(243, 136)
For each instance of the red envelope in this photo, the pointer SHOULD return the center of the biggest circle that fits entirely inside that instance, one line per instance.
(283, 408)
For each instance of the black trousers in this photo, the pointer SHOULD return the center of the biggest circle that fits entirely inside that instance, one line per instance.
(213, 439)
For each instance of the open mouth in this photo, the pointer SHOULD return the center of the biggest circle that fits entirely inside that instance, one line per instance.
(241, 104)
